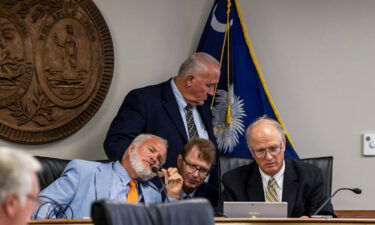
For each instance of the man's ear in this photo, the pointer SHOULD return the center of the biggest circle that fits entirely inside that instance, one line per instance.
(251, 151)
(189, 80)
(179, 161)
(10, 205)
(284, 144)
(131, 147)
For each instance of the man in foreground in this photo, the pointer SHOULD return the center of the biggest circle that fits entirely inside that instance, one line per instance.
(19, 187)
(272, 178)
(84, 182)
(194, 164)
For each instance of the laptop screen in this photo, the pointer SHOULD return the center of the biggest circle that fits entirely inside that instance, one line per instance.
(256, 209)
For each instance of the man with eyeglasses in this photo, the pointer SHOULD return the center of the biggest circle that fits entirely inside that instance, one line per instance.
(194, 164)
(176, 110)
(19, 186)
(272, 178)
(128, 180)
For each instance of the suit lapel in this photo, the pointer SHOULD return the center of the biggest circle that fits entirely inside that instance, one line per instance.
(171, 106)
(103, 180)
(254, 186)
(201, 191)
(207, 121)
(290, 186)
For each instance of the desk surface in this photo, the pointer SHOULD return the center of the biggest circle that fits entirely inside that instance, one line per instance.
(235, 221)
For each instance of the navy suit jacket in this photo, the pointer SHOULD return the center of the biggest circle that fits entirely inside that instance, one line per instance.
(154, 110)
(302, 188)
(209, 192)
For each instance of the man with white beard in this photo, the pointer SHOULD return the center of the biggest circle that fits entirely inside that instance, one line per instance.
(84, 182)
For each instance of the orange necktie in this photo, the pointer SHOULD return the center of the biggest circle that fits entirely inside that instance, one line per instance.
(133, 193)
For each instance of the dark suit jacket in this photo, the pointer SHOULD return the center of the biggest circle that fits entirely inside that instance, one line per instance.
(303, 187)
(154, 110)
(209, 192)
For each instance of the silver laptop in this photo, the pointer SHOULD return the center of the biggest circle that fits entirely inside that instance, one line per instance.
(256, 209)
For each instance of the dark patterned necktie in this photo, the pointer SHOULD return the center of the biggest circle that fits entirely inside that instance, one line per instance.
(192, 129)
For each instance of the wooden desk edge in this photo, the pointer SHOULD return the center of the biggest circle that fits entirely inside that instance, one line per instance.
(219, 220)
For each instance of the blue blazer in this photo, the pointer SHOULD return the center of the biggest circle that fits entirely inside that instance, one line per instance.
(82, 183)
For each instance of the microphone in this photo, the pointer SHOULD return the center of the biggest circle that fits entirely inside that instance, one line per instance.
(355, 190)
(156, 170)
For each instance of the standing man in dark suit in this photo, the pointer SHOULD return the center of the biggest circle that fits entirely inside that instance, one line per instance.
(194, 164)
(272, 178)
(167, 108)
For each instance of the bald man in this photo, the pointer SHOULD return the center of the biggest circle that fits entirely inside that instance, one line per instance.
(273, 178)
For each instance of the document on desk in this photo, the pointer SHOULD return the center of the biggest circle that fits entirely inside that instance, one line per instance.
(255, 209)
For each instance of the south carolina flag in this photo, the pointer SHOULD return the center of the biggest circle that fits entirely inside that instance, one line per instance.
(241, 82)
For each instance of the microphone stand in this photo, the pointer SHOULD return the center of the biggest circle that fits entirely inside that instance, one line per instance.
(156, 170)
(355, 190)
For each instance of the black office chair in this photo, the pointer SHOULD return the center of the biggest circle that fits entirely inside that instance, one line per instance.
(186, 212)
(324, 163)
(228, 162)
(52, 168)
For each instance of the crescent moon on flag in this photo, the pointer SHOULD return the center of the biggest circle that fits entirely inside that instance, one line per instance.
(216, 25)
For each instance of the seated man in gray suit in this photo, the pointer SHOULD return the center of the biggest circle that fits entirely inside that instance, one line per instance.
(84, 182)
(272, 178)
(194, 164)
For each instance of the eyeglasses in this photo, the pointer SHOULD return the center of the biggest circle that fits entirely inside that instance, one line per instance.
(192, 168)
(35, 199)
(273, 150)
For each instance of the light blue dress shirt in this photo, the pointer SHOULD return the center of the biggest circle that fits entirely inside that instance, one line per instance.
(202, 132)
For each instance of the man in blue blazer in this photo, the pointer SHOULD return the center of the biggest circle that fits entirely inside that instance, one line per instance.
(272, 178)
(194, 164)
(84, 182)
(160, 109)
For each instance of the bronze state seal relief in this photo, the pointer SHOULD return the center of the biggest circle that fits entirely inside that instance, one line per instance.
(56, 66)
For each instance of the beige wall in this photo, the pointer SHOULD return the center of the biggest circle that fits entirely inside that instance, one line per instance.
(317, 58)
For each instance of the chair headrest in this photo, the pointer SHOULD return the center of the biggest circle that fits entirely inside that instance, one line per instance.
(189, 212)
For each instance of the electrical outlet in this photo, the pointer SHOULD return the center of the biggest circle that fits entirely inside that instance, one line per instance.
(368, 141)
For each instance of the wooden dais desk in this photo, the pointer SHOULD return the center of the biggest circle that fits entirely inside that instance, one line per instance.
(236, 221)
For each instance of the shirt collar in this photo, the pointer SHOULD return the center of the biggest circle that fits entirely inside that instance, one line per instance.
(278, 176)
(180, 99)
(183, 194)
(122, 173)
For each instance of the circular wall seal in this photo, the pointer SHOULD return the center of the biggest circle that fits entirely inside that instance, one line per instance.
(56, 66)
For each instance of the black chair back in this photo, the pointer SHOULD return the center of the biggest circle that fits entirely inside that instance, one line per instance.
(52, 168)
(229, 162)
(325, 164)
(185, 212)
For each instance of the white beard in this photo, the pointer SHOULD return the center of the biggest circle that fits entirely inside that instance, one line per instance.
(143, 172)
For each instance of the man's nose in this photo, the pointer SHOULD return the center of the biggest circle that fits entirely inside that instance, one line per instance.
(268, 155)
(153, 161)
(211, 90)
(196, 173)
